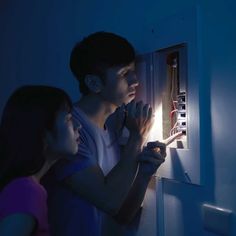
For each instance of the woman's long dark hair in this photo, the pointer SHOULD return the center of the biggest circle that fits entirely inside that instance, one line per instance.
(28, 114)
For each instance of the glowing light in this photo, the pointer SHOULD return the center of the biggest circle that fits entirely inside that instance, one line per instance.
(156, 131)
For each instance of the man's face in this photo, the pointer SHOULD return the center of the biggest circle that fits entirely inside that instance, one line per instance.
(120, 84)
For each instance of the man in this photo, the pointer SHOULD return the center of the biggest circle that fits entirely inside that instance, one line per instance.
(102, 177)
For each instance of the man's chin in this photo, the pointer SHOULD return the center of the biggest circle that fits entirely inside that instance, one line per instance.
(129, 99)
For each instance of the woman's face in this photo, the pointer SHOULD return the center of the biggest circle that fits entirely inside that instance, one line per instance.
(64, 139)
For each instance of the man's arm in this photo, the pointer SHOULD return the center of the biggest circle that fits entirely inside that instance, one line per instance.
(109, 192)
(133, 201)
(150, 161)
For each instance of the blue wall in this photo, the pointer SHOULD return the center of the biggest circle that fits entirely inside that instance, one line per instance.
(35, 42)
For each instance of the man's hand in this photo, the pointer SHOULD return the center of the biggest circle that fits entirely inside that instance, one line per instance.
(152, 156)
(139, 119)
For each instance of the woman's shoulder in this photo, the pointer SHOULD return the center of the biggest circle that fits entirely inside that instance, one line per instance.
(23, 186)
(24, 196)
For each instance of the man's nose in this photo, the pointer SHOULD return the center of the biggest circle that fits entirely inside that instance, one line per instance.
(134, 82)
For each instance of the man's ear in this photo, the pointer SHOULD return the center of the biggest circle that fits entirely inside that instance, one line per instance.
(94, 83)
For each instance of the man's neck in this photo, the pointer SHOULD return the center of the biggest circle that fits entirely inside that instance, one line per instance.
(96, 109)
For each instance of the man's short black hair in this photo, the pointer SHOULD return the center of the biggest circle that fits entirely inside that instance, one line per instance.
(98, 52)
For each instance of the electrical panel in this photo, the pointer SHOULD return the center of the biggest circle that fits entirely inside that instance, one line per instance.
(169, 80)
(164, 83)
(170, 66)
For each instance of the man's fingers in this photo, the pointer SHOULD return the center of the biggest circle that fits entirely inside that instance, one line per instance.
(150, 153)
(131, 109)
(145, 111)
(150, 113)
(157, 147)
(139, 109)
(154, 159)
(155, 144)
(172, 138)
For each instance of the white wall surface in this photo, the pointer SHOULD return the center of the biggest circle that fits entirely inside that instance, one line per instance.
(36, 37)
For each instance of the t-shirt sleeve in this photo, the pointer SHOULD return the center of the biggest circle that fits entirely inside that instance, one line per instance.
(24, 196)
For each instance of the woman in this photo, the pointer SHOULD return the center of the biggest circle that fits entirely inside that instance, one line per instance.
(35, 131)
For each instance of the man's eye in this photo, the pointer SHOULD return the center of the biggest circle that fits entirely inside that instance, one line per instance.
(69, 118)
(124, 75)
